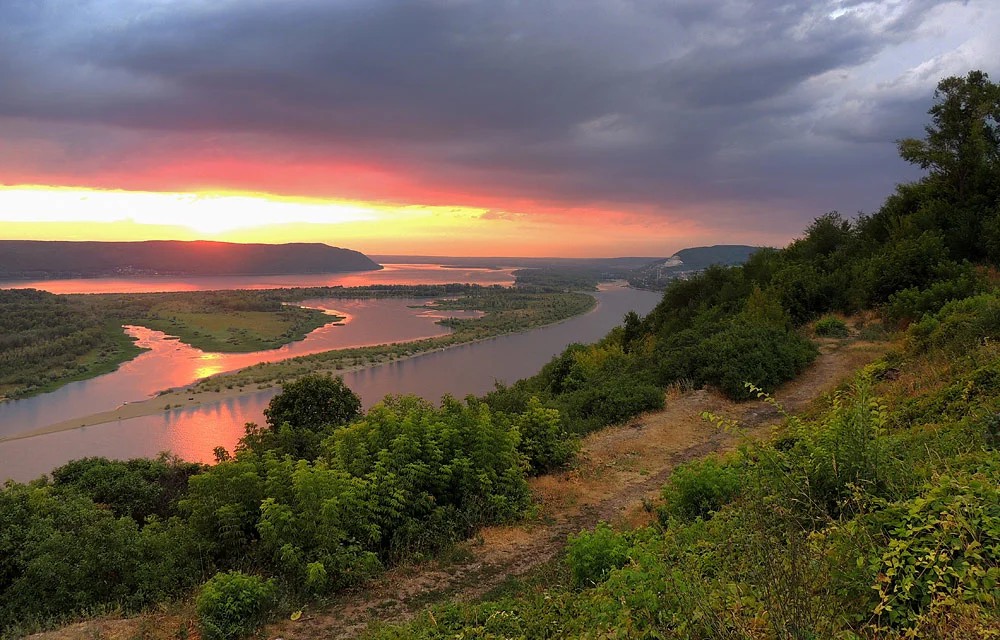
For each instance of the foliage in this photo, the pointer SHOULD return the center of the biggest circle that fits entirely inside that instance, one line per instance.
(831, 327)
(233, 605)
(302, 414)
(544, 441)
(592, 555)
(137, 488)
(48, 340)
(942, 547)
(700, 488)
(62, 554)
(313, 402)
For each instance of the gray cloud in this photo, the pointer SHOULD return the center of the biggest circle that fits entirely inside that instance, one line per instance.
(635, 102)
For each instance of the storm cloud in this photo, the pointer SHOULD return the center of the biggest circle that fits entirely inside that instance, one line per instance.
(741, 113)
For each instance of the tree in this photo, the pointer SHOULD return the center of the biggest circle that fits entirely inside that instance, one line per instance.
(962, 147)
(961, 194)
(302, 415)
(313, 402)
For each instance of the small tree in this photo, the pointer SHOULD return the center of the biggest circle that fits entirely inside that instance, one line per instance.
(302, 414)
(313, 402)
(233, 605)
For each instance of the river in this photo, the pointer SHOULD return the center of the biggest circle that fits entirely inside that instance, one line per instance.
(193, 433)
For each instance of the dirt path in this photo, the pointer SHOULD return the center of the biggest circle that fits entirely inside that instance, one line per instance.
(618, 471)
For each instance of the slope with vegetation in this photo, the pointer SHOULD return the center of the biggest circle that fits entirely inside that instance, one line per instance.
(877, 517)
(21, 259)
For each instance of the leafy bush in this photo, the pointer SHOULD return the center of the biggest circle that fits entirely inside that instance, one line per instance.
(831, 327)
(544, 442)
(699, 488)
(233, 605)
(959, 325)
(61, 554)
(592, 555)
(306, 411)
(941, 548)
(136, 488)
(761, 354)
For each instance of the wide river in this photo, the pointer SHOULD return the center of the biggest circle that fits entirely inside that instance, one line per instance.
(193, 433)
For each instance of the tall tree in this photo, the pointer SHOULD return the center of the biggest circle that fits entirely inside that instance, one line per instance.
(961, 194)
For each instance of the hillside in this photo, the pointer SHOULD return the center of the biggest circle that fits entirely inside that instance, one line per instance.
(687, 262)
(872, 513)
(24, 259)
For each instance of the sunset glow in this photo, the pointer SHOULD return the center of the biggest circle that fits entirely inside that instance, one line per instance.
(206, 213)
(465, 128)
(64, 213)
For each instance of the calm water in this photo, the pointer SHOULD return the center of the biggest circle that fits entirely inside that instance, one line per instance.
(193, 433)
(170, 363)
(391, 274)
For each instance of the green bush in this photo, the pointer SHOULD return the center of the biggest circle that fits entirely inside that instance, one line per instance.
(941, 545)
(698, 489)
(233, 605)
(831, 327)
(544, 442)
(746, 352)
(593, 555)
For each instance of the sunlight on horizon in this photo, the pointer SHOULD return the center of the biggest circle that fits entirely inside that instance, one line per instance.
(202, 212)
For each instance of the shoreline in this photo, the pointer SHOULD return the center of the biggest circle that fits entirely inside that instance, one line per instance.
(186, 398)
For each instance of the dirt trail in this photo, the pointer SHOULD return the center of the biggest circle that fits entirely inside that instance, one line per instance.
(618, 471)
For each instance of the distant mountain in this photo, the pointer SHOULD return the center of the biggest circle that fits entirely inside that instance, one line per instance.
(23, 259)
(687, 262)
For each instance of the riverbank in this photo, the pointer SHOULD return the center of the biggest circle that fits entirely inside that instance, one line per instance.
(619, 473)
(534, 311)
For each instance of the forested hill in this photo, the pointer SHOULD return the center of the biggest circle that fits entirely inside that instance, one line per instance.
(689, 261)
(54, 259)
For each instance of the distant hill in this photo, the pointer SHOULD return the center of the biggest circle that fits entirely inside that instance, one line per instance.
(497, 262)
(24, 259)
(687, 262)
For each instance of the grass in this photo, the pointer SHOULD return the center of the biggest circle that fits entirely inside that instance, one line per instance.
(509, 312)
(239, 331)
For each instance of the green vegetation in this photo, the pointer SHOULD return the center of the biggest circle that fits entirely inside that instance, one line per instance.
(878, 516)
(403, 480)
(233, 605)
(506, 311)
(48, 340)
(831, 327)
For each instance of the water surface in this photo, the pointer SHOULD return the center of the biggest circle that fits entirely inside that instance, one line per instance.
(170, 363)
(193, 433)
(391, 274)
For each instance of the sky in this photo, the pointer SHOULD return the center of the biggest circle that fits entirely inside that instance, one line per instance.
(461, 127)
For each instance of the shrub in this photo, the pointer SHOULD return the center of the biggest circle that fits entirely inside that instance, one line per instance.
(831, 327)
(697, 489)
(593, 555)
(940, 546)
(749, 352)
(233, 605)
(544, 442)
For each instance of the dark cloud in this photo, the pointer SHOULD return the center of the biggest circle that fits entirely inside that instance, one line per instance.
(637, 102)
